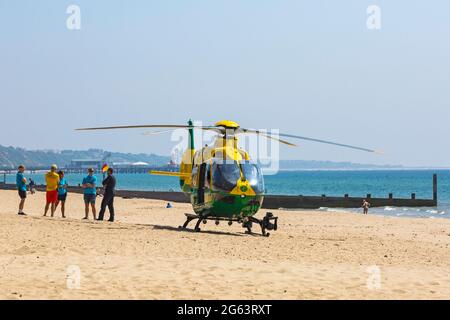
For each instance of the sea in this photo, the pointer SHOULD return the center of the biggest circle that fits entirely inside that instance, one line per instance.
(358, 183)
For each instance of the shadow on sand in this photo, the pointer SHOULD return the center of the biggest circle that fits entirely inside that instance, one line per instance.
(125, 226)
(170, 228)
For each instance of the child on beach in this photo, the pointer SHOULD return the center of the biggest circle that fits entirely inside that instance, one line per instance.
(89, 185)
(21, 183)
(32, 186)
(62, 193)
(52, 181)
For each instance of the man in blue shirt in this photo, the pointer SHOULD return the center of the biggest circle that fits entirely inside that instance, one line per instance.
(21, 183)
(89, 185)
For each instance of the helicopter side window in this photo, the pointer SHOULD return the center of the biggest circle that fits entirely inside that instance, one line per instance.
(194, 176)
(208, 176)
(201, 183)
(225, 176)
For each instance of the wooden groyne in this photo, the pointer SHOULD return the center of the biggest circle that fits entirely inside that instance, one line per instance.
(283, 201)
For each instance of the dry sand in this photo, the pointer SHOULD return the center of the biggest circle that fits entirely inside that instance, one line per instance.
(313, 255)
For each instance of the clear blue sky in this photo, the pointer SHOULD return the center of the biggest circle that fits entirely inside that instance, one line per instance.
(304, 67)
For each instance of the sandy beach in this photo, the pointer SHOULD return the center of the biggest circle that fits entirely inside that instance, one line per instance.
(313, 255)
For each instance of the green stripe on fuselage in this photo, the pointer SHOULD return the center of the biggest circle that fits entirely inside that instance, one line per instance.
(224, 205)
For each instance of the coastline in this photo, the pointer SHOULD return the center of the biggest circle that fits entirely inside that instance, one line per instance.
(319, 255)
(280, 201)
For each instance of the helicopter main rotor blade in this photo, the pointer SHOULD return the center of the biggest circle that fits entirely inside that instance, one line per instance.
(268, 136)
(151, 133)
(312, 139)
(329, 142)
(173, 126)
(222, 130)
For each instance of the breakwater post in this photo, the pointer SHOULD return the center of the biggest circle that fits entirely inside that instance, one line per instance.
(435, 188)
(283, 201)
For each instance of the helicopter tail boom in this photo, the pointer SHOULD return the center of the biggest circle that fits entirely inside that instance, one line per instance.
(170, 173)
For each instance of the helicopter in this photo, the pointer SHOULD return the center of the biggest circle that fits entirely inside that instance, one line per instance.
(221, 180)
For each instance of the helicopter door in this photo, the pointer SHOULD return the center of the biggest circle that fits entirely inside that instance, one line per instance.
(201, 184)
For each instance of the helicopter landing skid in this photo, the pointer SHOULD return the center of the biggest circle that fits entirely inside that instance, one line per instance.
(189, 218)
(269, 222)
(265, 224)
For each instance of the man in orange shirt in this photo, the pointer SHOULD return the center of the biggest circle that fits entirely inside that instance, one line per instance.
(52, 181)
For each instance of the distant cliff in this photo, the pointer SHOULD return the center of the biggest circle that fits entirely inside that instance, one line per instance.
(11, 157)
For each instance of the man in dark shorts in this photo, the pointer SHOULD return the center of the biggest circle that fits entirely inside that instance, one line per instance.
(21, 183)
(109, 185)
(89, 186)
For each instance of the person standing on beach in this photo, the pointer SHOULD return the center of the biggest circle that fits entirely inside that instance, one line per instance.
(32, 186)
(21, 183)
(109, 185)
(52, 181)
(366, 206)
(62, 193)
(89, 185)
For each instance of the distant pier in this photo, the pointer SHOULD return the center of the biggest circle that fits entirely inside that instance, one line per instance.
(77, 170)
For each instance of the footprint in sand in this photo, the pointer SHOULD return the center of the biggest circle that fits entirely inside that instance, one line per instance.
(212, 268)
(22, 251)
(282, 270)
(320, 274)
(399, 291)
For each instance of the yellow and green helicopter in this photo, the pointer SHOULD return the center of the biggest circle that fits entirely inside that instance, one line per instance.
(221, 180)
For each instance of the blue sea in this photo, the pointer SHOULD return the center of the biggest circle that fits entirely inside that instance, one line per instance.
(379, 183)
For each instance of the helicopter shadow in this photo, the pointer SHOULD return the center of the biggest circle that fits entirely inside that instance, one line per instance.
(170, 228)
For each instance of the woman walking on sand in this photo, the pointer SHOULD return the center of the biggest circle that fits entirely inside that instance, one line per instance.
(62, 193)
(366, 206)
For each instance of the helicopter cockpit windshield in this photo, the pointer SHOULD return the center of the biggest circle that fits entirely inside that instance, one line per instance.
(225, 175)
(252, 173)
